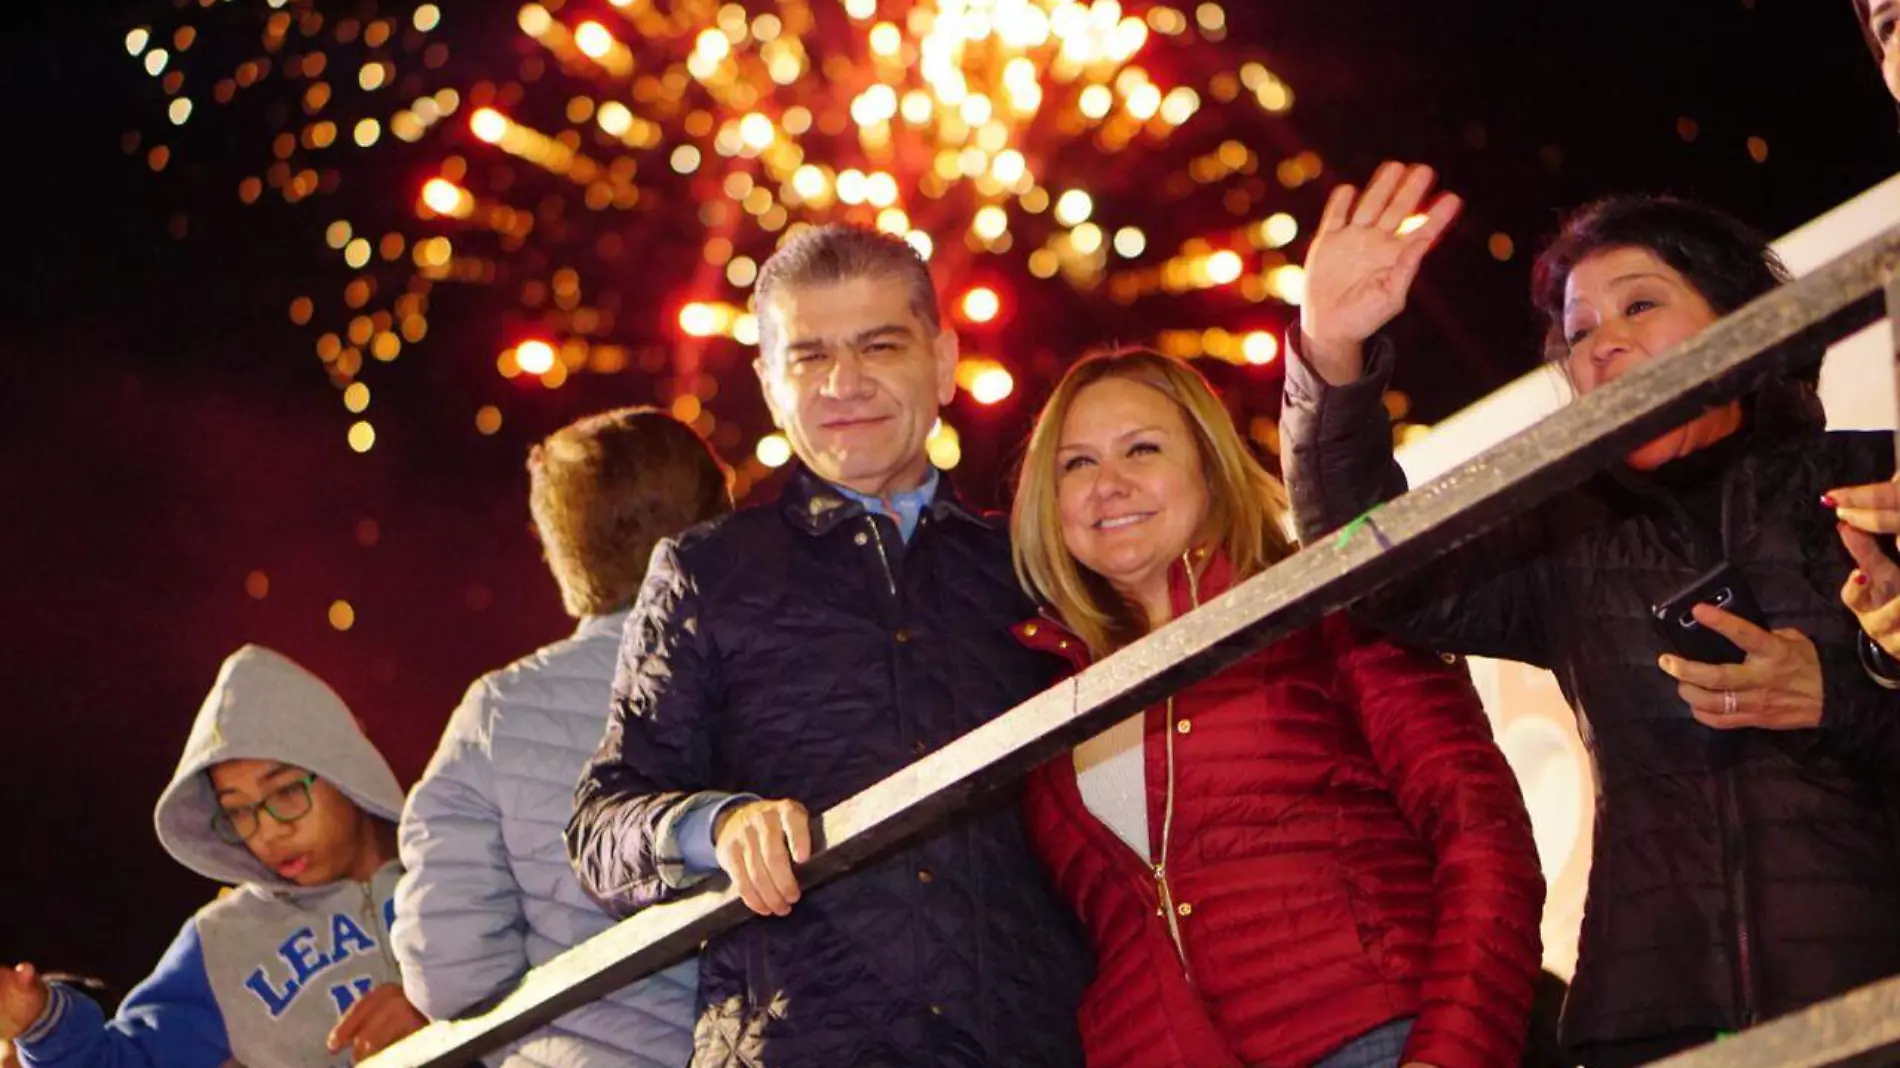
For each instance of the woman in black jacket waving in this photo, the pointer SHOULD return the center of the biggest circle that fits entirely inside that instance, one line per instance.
(1745, 861)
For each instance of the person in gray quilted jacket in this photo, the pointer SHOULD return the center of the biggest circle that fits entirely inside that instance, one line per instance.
(487, 892)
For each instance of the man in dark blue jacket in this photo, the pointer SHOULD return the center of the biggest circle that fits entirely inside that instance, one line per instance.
(785, 657)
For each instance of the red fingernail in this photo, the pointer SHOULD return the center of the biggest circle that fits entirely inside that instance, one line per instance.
(1827, 501)
(1860, 578)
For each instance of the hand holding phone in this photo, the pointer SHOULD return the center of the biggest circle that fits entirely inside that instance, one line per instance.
(1735, 673)
(1721, 586)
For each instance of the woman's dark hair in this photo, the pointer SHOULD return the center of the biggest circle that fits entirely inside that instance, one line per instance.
(1723, 258)
(1862, 16)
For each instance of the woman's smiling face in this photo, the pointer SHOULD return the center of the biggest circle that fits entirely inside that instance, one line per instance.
(1130, 491)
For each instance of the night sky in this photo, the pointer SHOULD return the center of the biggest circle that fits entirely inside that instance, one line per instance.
(165, 431)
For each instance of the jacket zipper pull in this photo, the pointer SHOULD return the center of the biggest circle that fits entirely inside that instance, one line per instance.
(890, 576)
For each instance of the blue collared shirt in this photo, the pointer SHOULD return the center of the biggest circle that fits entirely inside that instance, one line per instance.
(906, 508)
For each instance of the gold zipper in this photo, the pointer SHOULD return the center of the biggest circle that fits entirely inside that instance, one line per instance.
(1167, 833)
(1168, 909)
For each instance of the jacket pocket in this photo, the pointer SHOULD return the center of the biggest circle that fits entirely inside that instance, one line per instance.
(1281, 932)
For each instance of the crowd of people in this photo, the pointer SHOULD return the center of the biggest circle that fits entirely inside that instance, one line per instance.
(1317, 857)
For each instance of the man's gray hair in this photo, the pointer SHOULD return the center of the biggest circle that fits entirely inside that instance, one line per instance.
(824, 255)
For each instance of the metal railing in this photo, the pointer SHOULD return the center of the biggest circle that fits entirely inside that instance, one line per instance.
(1860, 1029)
(1727, 360)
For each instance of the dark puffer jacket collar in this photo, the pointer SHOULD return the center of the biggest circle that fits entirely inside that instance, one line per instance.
(816, 507)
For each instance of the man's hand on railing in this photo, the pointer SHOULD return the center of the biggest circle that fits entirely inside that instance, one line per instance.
(757, 843)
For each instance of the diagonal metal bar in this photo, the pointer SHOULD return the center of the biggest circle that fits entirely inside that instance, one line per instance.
(1859, 1029)
(1724, 361)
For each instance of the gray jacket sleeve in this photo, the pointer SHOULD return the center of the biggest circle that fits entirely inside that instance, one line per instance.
(1485, 598)
(461, 931)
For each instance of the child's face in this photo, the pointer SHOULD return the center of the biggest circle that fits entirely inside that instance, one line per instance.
(322, 845)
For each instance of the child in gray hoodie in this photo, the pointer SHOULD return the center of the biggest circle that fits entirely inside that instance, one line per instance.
(280, 794)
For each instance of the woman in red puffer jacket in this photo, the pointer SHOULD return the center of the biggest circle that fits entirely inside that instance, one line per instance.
(1316, 858)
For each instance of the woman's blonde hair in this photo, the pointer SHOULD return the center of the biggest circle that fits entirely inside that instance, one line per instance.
(1246, 505)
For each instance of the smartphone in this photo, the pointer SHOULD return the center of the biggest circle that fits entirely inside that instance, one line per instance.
(1721, 586)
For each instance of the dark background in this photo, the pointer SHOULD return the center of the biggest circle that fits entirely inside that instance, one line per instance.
(164, 431)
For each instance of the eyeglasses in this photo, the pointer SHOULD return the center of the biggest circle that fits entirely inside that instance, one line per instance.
(286, 804)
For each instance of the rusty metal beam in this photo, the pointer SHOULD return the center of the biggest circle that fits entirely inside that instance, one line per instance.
(1725, 361)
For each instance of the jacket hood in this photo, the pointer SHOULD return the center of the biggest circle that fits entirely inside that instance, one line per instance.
(265, 706)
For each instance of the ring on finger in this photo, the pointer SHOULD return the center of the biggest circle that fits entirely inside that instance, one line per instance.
(1728, 702)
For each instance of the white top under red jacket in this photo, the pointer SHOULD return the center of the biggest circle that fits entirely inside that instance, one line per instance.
(1335, 842)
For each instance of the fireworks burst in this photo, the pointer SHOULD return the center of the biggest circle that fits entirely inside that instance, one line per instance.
(616, 172)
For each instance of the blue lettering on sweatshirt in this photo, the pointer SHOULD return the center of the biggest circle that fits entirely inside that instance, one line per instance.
(309, 959)
(345, 994)
(275, 1001)
(344, 933)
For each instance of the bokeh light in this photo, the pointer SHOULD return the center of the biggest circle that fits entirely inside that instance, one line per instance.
(773, 450)
(980, 304)
(1260, 347)
(535, 357)
(992, 385)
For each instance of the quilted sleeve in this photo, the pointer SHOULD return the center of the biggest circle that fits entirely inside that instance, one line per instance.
(1483, 598)
(1429, 735)
(460, 932)
(1858, 710)
(655, 762)
(1059, 849)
